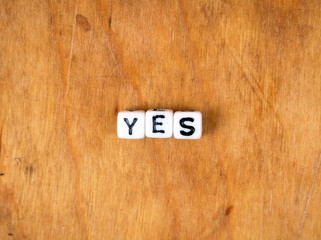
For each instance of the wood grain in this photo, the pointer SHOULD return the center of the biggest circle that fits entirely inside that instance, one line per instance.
(252, 67)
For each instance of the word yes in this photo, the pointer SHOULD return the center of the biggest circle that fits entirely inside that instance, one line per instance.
(159, 123)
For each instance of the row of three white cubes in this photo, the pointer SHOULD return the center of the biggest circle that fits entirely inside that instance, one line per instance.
(159, 123)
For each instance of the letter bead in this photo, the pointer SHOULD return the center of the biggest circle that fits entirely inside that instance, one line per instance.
(187, 125)
(131, 124)
(159, 123)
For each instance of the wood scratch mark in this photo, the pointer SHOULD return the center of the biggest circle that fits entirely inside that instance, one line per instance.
(110, 17)
(0, 139)
(172, 203)
(9, 201)
(186, 36)
(80, 211)
(71, 47)
(254, 84)
(307, 204)
(118, 67)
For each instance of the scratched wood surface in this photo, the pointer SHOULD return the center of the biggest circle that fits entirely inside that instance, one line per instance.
(252, 67)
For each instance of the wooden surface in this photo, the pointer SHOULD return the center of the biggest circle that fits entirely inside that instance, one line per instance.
(253, 68)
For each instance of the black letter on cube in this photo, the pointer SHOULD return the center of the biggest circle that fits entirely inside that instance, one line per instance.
(191, 128)
(130, 126)
(157, 123)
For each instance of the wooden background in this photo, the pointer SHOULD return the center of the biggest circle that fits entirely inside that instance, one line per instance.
(253, 68)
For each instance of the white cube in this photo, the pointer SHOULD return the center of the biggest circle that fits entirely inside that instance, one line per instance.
(187, 125)
(131, 124)
(159, 123)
